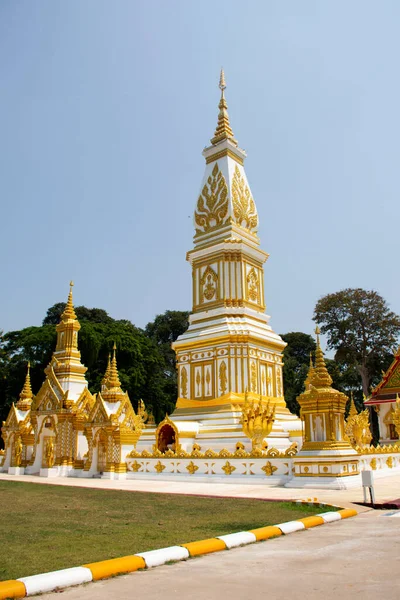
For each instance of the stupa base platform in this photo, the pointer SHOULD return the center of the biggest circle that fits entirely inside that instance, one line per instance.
(16, 470)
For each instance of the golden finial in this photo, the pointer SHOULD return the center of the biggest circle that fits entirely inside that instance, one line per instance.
(26, 394)
(222, 84)
(353, 410)
(69, 312)
(321, 377)
(223, 130)
(113, 378)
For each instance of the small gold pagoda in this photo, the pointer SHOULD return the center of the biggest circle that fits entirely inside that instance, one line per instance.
(326, 457)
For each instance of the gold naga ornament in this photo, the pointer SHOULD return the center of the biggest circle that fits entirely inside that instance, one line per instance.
(257, 420)
(357, 428)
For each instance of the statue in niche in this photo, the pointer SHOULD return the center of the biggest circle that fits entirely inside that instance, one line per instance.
(18, 452)
(50, 453)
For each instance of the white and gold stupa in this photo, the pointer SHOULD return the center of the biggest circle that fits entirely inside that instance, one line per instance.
(229, 350)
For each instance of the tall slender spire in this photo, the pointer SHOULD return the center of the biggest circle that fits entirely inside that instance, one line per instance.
(310, 374)
(69, 312)
(321, 377)
(223, 130)
(113, 378)
(106, 377)
(26, 395)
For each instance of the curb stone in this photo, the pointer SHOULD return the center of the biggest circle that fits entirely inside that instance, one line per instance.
(47, 582)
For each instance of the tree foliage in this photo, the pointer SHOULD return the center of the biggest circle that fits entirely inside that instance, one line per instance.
(361, 329)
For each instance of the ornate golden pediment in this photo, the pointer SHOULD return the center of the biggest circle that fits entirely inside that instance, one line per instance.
(212, 205)
(244, 208)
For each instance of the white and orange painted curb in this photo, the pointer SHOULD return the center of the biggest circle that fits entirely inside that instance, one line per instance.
(47, 582)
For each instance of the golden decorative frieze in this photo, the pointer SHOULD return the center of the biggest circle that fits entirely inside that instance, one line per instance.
(221, 154)
(373, 464)
(192, 468)
(389, 462)
(244, 208)
(212, 204)
(269, 469)
(159, 467)
(228, 468)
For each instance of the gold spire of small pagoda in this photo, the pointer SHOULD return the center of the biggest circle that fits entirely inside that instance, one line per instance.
(113, 378)
(310, 373)
(104, 381)
(353, 412)
(321, 377)
(69, 312)
(26, 395)
(223, 130)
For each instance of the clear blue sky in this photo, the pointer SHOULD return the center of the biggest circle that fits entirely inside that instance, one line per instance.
(107, 105)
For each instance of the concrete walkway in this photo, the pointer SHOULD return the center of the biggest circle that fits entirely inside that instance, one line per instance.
(386, 488)
(355, 558)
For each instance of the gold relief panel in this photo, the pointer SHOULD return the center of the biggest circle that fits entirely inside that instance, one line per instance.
(202, 381)
(208, 285)
(184, 382)
(244, 208)
(253, 286)
(212, 205)
(223, 380)
(253, 376)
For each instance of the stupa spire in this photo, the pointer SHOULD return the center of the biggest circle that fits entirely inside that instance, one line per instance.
(223, 130)
(106, 377)
(310, 373)
(113, 378)
(321, 377)
(26, 395)
(69, 312)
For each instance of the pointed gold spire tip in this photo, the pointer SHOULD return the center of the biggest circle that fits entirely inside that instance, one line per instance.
(223, 130)
(222, 84)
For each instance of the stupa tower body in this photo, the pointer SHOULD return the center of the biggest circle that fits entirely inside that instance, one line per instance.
(229, 348)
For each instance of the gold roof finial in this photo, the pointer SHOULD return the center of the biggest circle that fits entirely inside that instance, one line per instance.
(26, 394)
(113, 378)
(353, 410)
(69, 312)
(321, 377)
(223, 130)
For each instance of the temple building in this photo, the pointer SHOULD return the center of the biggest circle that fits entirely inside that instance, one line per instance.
(385, 400)
(229, 352)
(64, 430)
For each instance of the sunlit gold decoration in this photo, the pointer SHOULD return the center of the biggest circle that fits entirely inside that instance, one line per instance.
(357, 427)
(292, 450)
(159, 467)
(389, 462)
(196, 451)
(273, 452)
(192, 468)
(372, 464)
(310, 374)
(198, 382)
(228, 468)
(253, 376)
(257, 420)
(208, 381)
(244, 208)
(224, 453)
(212, 205)
(248, 470)
(279, 391)
(18, 447)
(184, 382)
(269, 469)
(210, 453)
(223, 381)
(252, 285)
(49, 453)
(396, 415)
(208, 283)
(135, 466)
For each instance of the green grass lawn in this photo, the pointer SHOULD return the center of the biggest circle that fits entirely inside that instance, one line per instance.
(46, 527)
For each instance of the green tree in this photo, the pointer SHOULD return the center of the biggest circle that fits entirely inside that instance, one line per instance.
(296, 361)
(361, 329)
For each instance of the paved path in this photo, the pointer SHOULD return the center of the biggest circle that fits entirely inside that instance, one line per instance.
(355, 558)
(386, 488)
